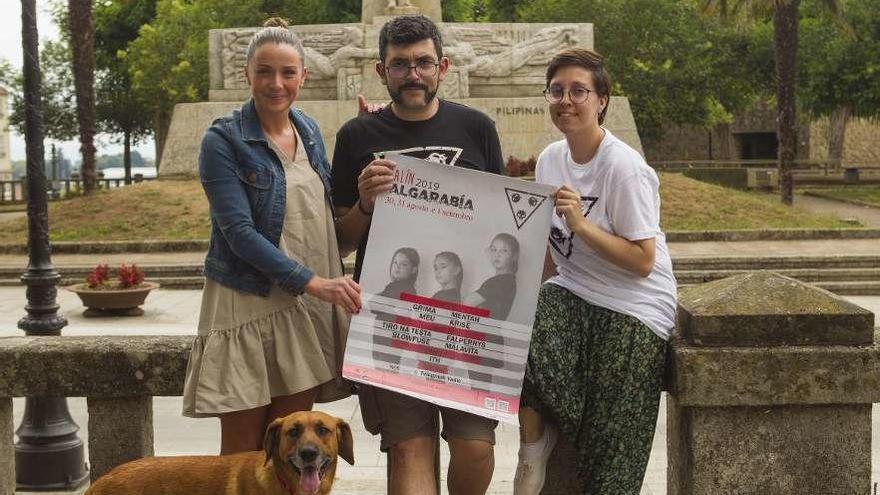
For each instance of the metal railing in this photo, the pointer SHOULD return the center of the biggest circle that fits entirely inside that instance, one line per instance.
(15, 191)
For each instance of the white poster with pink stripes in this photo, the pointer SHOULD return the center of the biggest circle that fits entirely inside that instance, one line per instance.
(450, 283)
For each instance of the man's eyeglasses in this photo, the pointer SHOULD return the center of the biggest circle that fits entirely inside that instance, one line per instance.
(424, 68)
(577, 94)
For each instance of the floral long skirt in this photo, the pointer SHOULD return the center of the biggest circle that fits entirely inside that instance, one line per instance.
(597, 374)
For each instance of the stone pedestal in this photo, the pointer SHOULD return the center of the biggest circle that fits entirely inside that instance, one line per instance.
(523, 125)
(497, 68)
(120, 430)
(7, 451)
(764, 390)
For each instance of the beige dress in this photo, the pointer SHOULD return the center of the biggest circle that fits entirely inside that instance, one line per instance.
(251, 348)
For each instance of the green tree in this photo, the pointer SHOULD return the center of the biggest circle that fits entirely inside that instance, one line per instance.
(675, 65)
(786, 19)
(842, 74)
(120, 112)
(464, 10)
(59, 111)
(169, 58)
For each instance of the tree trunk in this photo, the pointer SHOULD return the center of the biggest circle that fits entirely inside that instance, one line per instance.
(82, 34)
(126, 155)
(837, 134)
(785, 39)
(161, 123)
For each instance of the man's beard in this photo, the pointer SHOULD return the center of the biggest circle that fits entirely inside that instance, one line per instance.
(398, 99)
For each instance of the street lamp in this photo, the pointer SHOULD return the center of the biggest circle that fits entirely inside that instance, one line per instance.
(49, 455)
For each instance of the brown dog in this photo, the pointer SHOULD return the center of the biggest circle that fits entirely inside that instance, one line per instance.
(300, 458)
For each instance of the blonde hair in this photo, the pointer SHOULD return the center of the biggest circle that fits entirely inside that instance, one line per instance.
(275, 30)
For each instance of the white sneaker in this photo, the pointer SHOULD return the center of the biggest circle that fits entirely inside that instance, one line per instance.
(532, 466)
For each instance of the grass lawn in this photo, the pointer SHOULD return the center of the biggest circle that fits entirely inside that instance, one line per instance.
(687, 204)
(867, 194)
(12, 207)
(168, 210)
(150, 210)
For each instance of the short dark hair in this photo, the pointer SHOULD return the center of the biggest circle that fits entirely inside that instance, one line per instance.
(406, 30)
(588, 60)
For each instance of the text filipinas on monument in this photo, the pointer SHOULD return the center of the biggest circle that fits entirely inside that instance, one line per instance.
(450, 282)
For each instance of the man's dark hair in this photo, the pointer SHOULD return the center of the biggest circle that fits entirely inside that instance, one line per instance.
(406, 30)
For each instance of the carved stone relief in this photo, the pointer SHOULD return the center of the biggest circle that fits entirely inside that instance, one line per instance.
(484, 52)
(326, 51)
(493, 59)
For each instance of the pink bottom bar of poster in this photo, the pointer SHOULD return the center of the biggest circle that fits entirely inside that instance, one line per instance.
(496, 406)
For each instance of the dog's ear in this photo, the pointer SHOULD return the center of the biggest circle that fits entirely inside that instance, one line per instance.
(272, 439)
(345, 441)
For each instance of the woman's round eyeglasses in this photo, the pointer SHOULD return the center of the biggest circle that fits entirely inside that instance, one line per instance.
(424, 68)
(576, 94)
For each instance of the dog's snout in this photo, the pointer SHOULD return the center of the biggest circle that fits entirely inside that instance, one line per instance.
(308, 453)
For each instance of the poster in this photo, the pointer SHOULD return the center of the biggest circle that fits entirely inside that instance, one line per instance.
(449, 286)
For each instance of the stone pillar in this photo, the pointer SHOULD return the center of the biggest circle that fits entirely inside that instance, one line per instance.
(772, 382)
(7, 450)
(120, 430)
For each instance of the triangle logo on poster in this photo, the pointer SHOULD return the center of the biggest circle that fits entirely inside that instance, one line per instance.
(523, 205)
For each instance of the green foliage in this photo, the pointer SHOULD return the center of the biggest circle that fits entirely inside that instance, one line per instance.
(58, 99)
(675, 65)
(464, 10)
(120, 110)
(507, 10)
(115, 161)
(840, 67)
(169, 58)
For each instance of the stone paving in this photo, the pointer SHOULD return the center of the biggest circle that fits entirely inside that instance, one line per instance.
(176, 312)
(867, 215)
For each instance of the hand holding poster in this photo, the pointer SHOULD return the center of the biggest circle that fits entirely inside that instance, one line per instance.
(450, 284)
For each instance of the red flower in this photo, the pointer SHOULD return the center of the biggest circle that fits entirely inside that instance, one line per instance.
(129, 276)
(99, 275)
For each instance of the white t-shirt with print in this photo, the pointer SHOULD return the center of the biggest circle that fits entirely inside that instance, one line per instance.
(619, 194)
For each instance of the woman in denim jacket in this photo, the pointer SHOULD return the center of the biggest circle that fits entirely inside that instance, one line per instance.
(275, 307)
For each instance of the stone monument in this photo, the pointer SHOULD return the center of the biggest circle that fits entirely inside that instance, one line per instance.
(5, 160)
(497, 68)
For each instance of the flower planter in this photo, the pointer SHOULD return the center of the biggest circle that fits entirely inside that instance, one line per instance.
(119, 302)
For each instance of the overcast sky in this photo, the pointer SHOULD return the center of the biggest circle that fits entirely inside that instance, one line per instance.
(10, 49)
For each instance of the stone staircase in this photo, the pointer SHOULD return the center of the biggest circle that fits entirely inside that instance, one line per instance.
(842, 274)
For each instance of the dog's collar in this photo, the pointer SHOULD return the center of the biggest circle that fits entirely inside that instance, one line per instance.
(284, 484)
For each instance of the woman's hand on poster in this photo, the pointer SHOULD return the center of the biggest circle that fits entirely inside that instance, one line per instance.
(340, 290)
(568, 205)
(375, 179)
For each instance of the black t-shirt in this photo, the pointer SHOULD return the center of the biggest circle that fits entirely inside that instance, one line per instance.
(499, 292)
(456, 135)
(452, 295)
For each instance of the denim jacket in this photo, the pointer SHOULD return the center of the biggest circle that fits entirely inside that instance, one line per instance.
(247, 192)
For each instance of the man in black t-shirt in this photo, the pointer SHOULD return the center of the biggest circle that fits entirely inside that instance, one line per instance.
(416, 123)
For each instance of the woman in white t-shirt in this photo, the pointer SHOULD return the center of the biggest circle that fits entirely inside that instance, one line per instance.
(598, 349)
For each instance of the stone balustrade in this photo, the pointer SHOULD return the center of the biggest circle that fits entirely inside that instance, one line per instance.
(119, 376)
(770, 385)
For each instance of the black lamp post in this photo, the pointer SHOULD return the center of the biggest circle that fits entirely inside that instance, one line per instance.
(48, 455)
